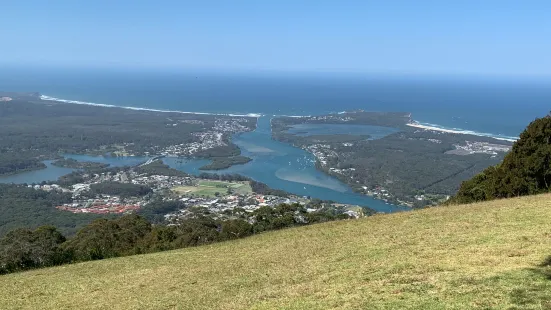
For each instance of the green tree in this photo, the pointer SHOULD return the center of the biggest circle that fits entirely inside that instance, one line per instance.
(109, 238)
(526, 170)
(234, 229)
(161, 238)
(23, 249)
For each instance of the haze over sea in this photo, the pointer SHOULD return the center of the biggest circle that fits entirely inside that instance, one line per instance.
(496, 107)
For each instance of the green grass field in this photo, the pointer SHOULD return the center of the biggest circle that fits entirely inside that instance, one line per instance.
(210, 188)
(481, 256)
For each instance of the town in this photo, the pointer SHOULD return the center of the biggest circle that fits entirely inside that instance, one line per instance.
(130, 190)
(322, 152)
(479, 148)
(205, 140)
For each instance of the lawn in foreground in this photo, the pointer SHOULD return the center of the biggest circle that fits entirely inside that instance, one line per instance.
(482, 256)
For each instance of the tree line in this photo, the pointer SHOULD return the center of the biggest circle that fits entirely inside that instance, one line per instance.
(24, 249)
(526, 170)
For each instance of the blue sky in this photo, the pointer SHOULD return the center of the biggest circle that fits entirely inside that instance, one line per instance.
(483, 37)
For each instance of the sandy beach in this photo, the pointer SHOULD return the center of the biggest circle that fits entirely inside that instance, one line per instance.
(48, 98)
(460, 131)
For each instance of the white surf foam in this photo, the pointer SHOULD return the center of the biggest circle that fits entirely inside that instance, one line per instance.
(434, 127)
(48, 98)
(295, 116)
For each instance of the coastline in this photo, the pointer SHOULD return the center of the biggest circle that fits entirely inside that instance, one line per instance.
(413, 123)
(48, 98)
(404, 121)
(459, 131)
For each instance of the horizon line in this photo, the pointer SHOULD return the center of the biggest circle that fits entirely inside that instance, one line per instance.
(281, 71)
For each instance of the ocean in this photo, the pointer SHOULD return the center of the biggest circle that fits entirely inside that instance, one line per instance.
(489, 107)
(498, 107)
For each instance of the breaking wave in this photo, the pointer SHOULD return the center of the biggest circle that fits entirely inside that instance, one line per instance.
(429, 126)
(48, 98)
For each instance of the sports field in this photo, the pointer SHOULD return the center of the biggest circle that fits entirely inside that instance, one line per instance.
(210, 188)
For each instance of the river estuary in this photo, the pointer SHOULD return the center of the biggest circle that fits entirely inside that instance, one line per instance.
(277, 164)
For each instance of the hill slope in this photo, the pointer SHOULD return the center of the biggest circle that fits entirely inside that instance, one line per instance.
(473, 256)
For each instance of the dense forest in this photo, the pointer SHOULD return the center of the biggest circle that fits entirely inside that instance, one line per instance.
(32, 130)
(410, 163)
(21, 206)
(225, 162)
(23, 249)
(75, 164)
(159, 168)
(385, 119)
(11, 163)
(526, 170)
(220, 151)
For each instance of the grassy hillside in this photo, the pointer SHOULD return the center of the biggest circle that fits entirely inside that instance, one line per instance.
(482, 256)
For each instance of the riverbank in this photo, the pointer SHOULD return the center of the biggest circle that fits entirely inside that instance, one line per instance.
(2, 175)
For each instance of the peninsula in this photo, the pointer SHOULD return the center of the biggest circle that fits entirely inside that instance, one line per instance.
(33, 129)
(381, 155)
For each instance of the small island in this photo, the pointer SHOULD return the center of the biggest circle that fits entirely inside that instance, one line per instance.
(75, 164)
(10, 165)
(220, 163)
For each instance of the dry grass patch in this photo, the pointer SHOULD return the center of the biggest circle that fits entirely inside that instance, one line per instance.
(481, 256)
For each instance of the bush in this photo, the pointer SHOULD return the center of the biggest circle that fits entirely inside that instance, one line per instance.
(109, 238)
(526, 170)
(23, 249)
